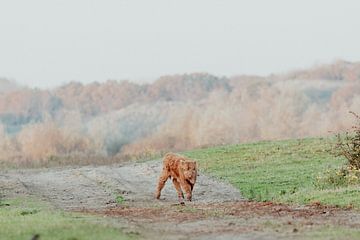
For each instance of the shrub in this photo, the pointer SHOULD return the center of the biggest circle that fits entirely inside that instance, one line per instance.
(47, 141)
(348, 145)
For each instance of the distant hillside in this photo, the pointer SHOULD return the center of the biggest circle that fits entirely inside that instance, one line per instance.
(175, 112)
(340, 70)
(7, 85)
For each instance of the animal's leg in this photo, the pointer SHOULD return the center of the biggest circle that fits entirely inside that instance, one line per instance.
(162, 180)
(187, 189)
(178, 190)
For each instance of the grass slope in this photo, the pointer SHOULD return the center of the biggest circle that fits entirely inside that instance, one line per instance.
(24, 218)
(281, 171)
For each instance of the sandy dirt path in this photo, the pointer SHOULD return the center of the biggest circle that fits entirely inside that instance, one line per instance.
(218, 210)
(97, 187)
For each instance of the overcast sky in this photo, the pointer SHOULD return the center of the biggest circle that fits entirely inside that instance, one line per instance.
(47, 43)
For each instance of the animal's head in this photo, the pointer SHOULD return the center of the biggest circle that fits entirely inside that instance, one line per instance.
(189, 169)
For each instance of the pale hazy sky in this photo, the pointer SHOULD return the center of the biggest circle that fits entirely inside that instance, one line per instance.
(46, 43)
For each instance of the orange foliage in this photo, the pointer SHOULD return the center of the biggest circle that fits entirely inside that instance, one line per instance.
(176, 112)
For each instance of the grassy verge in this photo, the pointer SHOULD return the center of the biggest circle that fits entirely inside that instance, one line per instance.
(25, 218)
(281, 171)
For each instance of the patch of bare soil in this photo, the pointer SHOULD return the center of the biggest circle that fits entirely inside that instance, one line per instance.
(233, 220)
(217, 212)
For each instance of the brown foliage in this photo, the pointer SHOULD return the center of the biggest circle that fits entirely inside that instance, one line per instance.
(175, 113)
(39, 142)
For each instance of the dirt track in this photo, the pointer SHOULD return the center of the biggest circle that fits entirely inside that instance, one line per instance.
(217, 212)
(97, 187)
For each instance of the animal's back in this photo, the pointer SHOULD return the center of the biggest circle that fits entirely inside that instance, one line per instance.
(171, 163)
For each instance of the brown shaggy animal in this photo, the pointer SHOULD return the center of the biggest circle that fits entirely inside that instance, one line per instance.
(183, 172)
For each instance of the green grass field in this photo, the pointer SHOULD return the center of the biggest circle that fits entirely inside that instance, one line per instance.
(280, 171)
(24, 218)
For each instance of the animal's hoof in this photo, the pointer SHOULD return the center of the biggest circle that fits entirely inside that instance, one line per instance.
(182, 203)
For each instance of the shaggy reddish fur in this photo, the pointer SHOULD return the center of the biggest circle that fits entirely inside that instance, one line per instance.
(183, 172)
